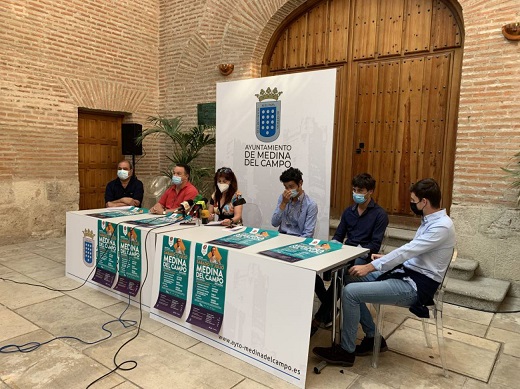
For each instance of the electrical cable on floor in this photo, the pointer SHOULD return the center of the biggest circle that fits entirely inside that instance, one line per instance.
(133, 363)
(66, 290)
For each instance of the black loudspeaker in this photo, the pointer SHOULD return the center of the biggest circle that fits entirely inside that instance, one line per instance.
(130, 131)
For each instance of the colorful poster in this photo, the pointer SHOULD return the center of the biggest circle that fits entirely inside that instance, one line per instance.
(209, 287)
(304, 250)
(173, 286)
(106, 264)
(157, 221)
(246, 238)
(129, 272)
(119, 212)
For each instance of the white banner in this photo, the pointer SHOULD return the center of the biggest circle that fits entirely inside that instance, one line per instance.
(266, 125)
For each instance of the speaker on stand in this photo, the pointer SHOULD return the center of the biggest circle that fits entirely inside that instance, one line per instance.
(129, 132)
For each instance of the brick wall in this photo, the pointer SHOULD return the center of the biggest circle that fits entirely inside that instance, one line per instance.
(489, 114)
(149, 57)
(57, 56)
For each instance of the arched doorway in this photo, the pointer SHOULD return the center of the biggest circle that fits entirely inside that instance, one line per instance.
(399, 67)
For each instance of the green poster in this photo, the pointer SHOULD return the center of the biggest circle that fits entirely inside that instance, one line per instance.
(129, 260)
(173, 289)
(304, 250)
(209, 287)
(246, 238)
(106, 263)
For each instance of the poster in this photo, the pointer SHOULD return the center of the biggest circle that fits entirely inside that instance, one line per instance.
(246, 238)
(106, 264)
(172, 218)
(209, 287)
(119, 212)
(173, 285)
(129, 270)
(304, 250)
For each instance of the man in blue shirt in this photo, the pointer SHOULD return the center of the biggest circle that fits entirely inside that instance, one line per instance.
(413, 273)
(363, 224)
(125, 189)
(296, 213)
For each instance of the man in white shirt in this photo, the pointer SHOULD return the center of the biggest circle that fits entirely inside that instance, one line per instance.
(408, 276)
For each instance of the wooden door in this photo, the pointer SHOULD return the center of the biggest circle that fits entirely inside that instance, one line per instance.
(99, 152)
(399, 65)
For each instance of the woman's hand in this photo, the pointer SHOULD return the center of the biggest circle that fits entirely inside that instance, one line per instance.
(226, 222)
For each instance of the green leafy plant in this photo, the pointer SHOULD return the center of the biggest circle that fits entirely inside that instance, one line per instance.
(515, 172)
(186, 146)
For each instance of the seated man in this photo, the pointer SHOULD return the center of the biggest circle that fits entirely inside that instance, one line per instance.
(363, 224)
(296, 213)
(181, 190)
(413, 273)
(124, 190)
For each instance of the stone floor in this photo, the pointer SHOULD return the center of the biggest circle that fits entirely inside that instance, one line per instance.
(483, 349)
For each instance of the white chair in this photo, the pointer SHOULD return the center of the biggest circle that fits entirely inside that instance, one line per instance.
(251, 215)
(437, 315)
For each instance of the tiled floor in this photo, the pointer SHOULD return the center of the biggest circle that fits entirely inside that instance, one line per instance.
(483, 349)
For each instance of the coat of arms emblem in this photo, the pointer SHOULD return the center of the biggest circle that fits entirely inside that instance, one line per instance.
(268, 115)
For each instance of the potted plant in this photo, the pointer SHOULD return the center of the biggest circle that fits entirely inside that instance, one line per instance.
(515, 172)
(186, 146)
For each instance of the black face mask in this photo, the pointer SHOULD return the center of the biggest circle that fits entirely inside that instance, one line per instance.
(417, 211)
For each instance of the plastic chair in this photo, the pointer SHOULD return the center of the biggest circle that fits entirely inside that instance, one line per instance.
(437, 315)
(251, 215)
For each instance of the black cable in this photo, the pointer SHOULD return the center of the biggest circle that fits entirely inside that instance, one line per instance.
(65, 290)
(120, 366)
(32, 346)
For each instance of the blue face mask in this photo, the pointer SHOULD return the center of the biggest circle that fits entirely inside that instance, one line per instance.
(176, 180)
(294, 193)
(358, 198)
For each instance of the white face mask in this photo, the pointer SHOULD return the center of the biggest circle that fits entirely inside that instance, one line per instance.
(222, 187)
(122, 174)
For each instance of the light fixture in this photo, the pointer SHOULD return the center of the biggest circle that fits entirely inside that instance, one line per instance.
(226, 68)
(512, 31)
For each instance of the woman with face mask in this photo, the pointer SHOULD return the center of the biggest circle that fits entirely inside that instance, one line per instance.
(226, 201)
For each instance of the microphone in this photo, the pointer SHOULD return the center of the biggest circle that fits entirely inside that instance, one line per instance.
(204, 215)
(197, 207)
(185, 206)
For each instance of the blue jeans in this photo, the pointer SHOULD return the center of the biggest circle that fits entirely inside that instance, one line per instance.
(361, 290)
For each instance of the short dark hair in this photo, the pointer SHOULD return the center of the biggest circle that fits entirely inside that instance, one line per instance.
(128, 162)
(364, 181)
(428, 188)
(291, 174)
(187, 169)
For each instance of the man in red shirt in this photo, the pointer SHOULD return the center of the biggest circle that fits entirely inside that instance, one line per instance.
(181, 190)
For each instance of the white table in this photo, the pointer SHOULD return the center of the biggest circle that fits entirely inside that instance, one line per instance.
(81, 242)
(268, 302)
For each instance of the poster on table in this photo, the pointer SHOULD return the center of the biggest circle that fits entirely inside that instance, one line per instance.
(246, 238)
(267, 310)
(106, 264)
(171, 219)
(119, 212)
(209, 287)
(173, 285)
(303, 250)
(129, 269)
(267, 125)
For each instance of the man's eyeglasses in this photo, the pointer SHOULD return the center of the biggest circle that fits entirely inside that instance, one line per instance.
(224, 170)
